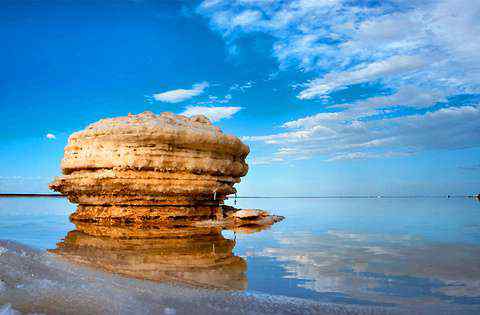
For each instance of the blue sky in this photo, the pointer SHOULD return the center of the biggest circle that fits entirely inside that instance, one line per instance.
(333, 97)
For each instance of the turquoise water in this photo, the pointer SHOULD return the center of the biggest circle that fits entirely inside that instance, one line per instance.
(375, 252)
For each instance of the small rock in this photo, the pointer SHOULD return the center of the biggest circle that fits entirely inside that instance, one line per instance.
(250, 214)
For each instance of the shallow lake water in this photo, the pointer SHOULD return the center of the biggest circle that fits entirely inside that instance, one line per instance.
(358, 255)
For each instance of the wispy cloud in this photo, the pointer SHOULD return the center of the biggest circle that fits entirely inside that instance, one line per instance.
(180, 95)
(394, 66)
(216, 100)
(349, 43)
(366, 155)
(420, 54)
(341, 136)
(242, 87)
(212, 113)
(322, 259)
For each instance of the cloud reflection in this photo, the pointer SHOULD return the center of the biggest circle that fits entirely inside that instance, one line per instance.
(384, 268)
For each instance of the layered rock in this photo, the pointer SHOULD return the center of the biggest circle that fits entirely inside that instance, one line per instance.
(198, 257)
(254, 221)
(151, 167)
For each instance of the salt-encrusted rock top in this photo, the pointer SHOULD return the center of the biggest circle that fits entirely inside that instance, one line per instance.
(165, 143)
(196, 132)
(150, 120)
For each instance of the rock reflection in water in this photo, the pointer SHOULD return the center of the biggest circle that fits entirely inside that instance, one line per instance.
(198, 256)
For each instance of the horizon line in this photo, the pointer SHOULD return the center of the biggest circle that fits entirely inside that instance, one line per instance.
(276, 197)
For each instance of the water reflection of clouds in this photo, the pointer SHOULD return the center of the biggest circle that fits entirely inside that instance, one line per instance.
(383, 268)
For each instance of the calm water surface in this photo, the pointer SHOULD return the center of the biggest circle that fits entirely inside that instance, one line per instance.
(374, 252)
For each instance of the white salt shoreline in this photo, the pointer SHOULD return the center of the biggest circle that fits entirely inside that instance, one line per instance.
(37, 282)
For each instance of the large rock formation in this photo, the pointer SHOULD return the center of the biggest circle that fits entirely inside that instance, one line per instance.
(151, 167)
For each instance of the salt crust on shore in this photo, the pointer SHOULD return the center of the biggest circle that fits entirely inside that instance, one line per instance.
(37, 282)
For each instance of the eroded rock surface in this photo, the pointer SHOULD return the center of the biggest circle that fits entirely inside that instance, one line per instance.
(150, 167)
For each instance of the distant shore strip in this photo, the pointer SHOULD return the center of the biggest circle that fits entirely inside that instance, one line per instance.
(20, 195)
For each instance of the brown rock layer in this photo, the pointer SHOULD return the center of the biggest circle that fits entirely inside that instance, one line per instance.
(150, 167)
(200, 257)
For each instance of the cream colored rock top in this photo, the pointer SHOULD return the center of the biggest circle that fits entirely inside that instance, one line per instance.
(165, 142)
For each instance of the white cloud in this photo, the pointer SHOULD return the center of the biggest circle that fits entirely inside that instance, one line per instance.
(180, 95)
(246, 18)
(50, 136)
(264, 160)
(212, 113)
(242, 87)
(322, 259)
(394, 66)
(365, 155)
(341, 136)
(313, 121)
(407, 96)
(418, 53)
(217, 100)
(348, 43)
